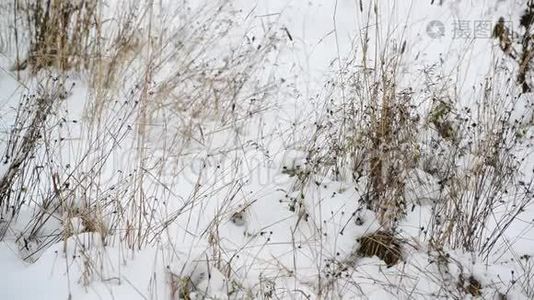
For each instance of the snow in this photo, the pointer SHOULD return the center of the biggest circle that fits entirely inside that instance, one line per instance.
(231, 221)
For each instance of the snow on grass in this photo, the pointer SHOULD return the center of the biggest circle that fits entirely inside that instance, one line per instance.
(193, 186)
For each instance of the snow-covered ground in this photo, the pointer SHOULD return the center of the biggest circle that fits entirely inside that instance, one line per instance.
(222, 211)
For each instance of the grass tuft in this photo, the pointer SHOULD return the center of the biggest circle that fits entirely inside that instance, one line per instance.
(382, 244)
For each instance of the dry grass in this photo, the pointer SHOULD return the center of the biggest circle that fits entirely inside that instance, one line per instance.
(470, 286)
(163, 92)
(181, 287)
(370, 132)
(382, 244)
(28, 134)
(150, 86)
(61, 34)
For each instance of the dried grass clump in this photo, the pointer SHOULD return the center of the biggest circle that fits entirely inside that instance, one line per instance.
(382, 244)
(369, 132)
(25, 138)
(519, 47)
(62, 34)
(470, 286)
(180, 287)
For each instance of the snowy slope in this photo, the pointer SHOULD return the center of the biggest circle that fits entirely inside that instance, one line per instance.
(228, 219)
